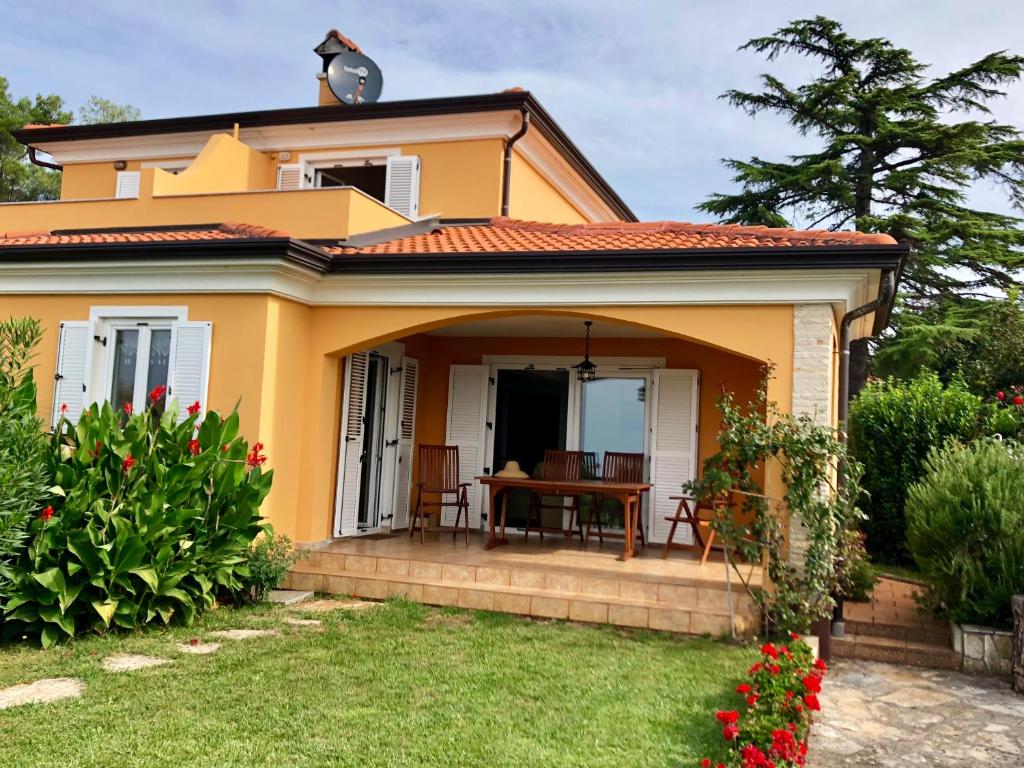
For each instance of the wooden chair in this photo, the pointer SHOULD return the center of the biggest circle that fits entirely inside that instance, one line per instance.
(439, 474)
(589, 465)
(558, 465)
(622, 468)
(689, 512)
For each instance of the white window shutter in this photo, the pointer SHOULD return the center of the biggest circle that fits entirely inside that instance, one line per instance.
(289, 176)
(406, 440)
(127, 184)
(189, 373)
(467, 410)
(350, 449)
(402, 187)
(70, 388)
(673, 447)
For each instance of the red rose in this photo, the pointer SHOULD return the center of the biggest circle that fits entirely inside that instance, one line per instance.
(729, 716)
(127, 464)
(776, 669)
(705, 763)
(812, 702)
(769, 650)
(752, 699)
(127, 408)
(794, 636)
(193, 447)
(157, 393)
(820, 664)
(812, 683)
(755, 668)
(730, 732)
(1018, 400)
(194, 408)
(46, 514)
(743, 688)
(1000, 395)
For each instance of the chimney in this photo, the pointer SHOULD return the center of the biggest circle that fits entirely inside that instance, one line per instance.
(332, 44)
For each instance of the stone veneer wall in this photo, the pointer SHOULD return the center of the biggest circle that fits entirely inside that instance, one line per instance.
(983, 650)
(813, 360)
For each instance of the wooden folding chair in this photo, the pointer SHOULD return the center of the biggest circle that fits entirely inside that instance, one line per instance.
(558, 465)
(617, 468)
(439, 475)
(689, 512)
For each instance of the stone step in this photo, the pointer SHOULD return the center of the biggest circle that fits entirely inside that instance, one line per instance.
(894, 651)
(538, 601)
(675, 592)
(929, 632)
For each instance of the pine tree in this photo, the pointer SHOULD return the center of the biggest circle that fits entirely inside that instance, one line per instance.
(899, 152)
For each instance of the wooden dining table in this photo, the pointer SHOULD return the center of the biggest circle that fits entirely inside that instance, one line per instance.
(629, 494)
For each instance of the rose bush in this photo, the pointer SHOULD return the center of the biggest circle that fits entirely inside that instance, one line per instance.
(149, 520)
(777, 702)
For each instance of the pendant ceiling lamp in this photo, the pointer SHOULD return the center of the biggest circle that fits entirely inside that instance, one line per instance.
(586, 370)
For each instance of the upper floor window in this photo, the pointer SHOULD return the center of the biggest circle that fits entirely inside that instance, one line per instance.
(391, 178)
(368, 175)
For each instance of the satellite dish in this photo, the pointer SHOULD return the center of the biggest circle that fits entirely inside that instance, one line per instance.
(354, 78)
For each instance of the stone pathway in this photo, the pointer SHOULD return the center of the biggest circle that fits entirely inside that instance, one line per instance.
(41, 691)
(198, 648)
(129, 662)
(244, 634)
(292, 622)
(877, 714)
(323, 606)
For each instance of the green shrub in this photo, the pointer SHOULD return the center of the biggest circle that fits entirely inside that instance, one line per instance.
(22, 443)
(855, 577)
(966, 531)
(268, 560)
(893, 427)
(150, 520)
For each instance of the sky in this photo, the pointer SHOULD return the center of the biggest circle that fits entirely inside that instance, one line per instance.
(634, 84)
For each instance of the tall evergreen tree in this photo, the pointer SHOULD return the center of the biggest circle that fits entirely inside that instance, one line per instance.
(899, 152)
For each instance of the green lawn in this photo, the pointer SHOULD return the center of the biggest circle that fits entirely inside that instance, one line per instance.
(398, 685)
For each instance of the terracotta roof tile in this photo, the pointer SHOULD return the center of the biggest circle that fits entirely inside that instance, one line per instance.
(220, 232)
(347, 42)
(504, 235)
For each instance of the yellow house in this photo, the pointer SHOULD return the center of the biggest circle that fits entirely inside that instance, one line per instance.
(368, 278)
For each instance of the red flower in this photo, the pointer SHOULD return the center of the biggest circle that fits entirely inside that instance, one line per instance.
(729, 716)
(730, 732)
(127, 464)
(127, 408)
(752, 699)
(193, 447)
(1000, 396)
(157, 393)
(812, 683)
(754, 669)
(776, 669)
(769, 650)
(794, 636)
(194, 408)
(46, 514)
(1018, 400)
(63, 408)
(705, 763)
(743, 688)
(255, 458)
(792, 727)
(820, 664)
(812, 702)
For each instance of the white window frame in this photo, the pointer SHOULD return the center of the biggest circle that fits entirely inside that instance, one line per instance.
(105, 322)
(312, 162)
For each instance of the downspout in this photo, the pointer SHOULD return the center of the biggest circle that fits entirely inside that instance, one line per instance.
(885, 296)
(506, 179)
(42, 163)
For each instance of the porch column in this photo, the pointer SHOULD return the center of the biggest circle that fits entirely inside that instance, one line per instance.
(813, 377)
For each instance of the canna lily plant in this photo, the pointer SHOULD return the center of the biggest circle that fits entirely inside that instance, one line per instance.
(148, 520)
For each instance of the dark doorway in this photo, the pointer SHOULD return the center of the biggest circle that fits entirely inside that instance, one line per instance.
(530, 416)
(371, 179)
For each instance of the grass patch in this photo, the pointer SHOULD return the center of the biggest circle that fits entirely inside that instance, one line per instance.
(398, 685)
(899, 572)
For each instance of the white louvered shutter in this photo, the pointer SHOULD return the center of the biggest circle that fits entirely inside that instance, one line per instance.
(73, 343)
(189, 369)
(673, 447)
(402, 189)
(289, 176)
(350, 450)
(127, 184)
(406, 439)
(467, 408)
